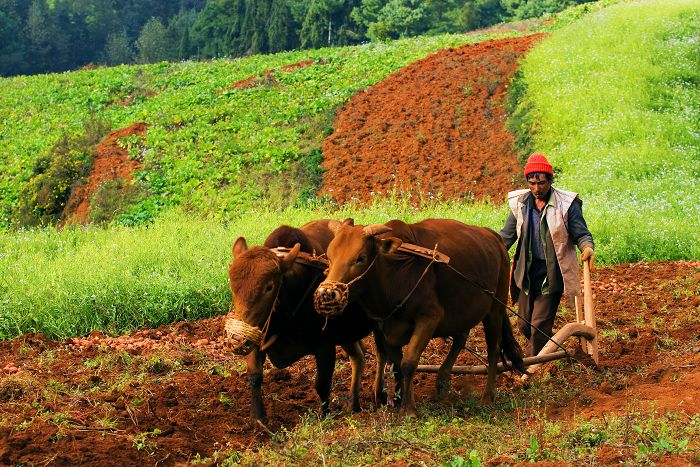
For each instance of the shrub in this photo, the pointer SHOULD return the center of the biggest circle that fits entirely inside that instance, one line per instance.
(54, 175)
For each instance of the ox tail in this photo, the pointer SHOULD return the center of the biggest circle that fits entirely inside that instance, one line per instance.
(510, 349)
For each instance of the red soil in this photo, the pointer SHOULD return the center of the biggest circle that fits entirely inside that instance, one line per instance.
(269, 78)
(111, 162)
(90, 400)
(432, 129)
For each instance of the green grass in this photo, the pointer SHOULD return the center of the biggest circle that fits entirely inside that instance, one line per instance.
(472, 435)
(67, 283)
(613, 100)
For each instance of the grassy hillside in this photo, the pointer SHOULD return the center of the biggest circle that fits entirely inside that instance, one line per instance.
(614, 100)
(632, 155)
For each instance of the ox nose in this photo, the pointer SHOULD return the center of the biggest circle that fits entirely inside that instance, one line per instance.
(327, 295)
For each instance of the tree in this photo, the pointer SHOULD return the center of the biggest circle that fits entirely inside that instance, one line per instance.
(37, 30)
(184, 49)
(315, 26)
(481, 13)
(392, 19)
(118, 50)
(278, 26)
(211, 30)
(152, 42)
(12, 59)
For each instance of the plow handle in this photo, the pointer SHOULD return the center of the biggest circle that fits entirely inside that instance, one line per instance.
(589, 311)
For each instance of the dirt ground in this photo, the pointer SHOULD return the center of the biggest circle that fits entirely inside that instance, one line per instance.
(111, 162)
(169, 394)
(435, 129)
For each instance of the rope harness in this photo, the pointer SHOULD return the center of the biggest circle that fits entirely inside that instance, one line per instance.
(333, 305)
(240, 337)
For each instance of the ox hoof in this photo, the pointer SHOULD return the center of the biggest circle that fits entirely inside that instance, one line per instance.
(381, 399)
(488, 399)
(443, 391)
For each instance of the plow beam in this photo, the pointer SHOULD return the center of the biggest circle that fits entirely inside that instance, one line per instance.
(547, 354)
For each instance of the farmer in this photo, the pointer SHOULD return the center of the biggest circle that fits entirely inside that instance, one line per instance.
(545, 222)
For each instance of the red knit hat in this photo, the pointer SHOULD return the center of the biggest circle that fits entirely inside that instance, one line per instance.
(538, 163)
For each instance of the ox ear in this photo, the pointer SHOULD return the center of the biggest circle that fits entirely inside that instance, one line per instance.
(334, 226)
(239, 246)
(375, 229)
(349, 221)
(289, 258)
(389, 245)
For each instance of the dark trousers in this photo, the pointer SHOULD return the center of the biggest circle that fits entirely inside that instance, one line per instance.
(536, 310)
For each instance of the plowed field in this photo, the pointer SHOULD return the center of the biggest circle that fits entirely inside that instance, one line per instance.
(433, 129)
(171, 393)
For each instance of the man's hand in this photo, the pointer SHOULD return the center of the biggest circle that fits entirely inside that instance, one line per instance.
(588, 255)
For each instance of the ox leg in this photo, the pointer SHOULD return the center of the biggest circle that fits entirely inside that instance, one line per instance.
(325, 364)
(254, 371)
(492, 331)
(419, 340)
(379, 393)
(445, 371)
(387, 354)
(356, 354)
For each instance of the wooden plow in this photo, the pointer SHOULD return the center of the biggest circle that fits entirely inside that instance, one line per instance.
(584, 328)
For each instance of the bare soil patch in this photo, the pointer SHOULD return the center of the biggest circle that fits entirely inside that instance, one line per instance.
(111, 162)
(269, 78)
(436, 128)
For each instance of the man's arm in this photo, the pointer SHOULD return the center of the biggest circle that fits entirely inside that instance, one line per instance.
(578, 230)
(508, 233)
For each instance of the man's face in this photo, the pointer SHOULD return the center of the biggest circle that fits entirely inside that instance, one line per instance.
(539, 185)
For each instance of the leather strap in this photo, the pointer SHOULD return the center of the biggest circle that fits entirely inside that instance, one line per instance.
(423, 252)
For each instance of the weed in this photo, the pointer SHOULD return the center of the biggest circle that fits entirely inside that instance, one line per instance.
(220, 370)
(44, 197)
(115, 198)
(224, 399)
(144, 441)
(474, 460)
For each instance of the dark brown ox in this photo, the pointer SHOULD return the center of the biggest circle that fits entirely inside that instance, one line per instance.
(274, 315)
(413, 300)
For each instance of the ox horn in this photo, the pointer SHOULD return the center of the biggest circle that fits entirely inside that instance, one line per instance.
(289, 258)
(375, 229)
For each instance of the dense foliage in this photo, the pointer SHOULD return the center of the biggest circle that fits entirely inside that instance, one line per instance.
(39, 36)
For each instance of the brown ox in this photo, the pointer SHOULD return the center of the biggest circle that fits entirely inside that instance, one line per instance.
(413, 301)
(274, 315)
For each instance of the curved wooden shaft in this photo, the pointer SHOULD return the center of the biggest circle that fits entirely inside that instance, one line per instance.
(548, 353)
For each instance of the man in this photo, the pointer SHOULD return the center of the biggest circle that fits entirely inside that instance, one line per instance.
(545, 222)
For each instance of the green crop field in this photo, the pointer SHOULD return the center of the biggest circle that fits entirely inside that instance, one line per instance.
(210, 147)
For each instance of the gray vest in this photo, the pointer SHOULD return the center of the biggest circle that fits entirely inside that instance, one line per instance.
(564, 247)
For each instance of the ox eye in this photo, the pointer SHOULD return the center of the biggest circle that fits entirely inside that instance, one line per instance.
(268, 288)
(360, 259)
